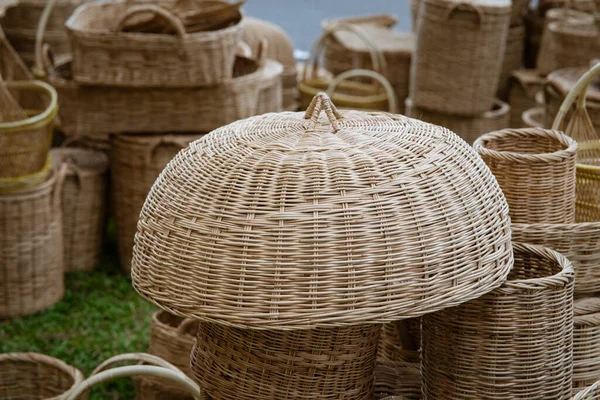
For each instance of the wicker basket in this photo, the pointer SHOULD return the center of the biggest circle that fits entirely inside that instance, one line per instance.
(35, 376)
(513, 58)
(393, 378)
(536, 171)
(346, 51)
(514, 342)
(533, 118)
(172, 339)
(464, 41)
(234, 363)
(468, 128)
(104, 55)
(523, 87)
(586, 342)
(84, 196)
(24, 145)
(534, 27)
(135, 163)
(32, 254)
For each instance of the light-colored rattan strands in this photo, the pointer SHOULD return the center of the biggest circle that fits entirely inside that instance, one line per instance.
(586, 342)
(531, 318)
(589, 393)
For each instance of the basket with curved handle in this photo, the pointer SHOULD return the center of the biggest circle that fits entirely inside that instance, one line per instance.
(453, 7)
(365, 73)
(159, 369)
(167, 15)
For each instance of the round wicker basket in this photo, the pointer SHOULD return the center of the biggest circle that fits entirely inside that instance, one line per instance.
(586, 342)
(35, 376)
(514, 342)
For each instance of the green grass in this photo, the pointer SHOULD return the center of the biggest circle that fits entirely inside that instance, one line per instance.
(100, 316)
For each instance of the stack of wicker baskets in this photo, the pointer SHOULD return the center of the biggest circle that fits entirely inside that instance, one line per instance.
(457, 64)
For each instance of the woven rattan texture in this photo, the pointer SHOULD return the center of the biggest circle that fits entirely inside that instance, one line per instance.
(586, 342)
(590, 393)
(101, 55)
(284, 222)
(513, 343)
(513, 57)
(468, 128)
(321, 363)
(536, 170)
(96, 110)
(35, 376)
(84, 201)
(135, 163)
(393, 378)
(522, 89)
(31, 265)
(464, 42)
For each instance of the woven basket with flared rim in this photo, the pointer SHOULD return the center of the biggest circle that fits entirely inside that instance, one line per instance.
(172, 339)
(135, 163)
(533, 118)
(84, 198)
(559, 84)
(458, 56)
(534, 27)
(536, 171)
(514, 342)
(345, 51)
(24, 144)
(523, 86)
(35, 376)
(237, 220)
(586, 342)
(31, 265)
(468, 128)
(104, 55)
(513, 58)
(397, 379)
(234, 363)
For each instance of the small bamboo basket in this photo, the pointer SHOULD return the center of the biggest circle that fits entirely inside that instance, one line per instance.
(135, 163)
(586, 342)
(36, 376)
(514, 342)
(103, 54)
(523, 87)
(84, 201)
(468, 128)
(31, 265)
(536, 171)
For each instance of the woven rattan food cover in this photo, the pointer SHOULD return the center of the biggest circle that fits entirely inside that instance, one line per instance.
(293, 220)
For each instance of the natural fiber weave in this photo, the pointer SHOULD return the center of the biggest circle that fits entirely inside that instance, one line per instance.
(31, 265)
(513, 58)
(35, 376)
(135, 163)
(351, 215)
(106, 56)
(468, 128)
(533, 118)
(522, 89)
(394, 378)
(458, 56)
(320, 363)
(512, 343)
(84, 198)
(536, 171)
(586, 342)
(590, 393)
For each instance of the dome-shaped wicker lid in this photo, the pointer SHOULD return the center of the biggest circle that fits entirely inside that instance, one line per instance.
(291, 220)
(279, 44)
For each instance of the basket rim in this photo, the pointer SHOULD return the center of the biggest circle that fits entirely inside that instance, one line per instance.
(38, 120)
(570, 144)
(34, 191)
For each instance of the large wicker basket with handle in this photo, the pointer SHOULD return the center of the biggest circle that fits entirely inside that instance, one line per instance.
(514, 342)
(36, 376)
(103, 54)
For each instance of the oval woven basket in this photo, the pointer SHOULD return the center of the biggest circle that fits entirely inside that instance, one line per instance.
(536, 170)
(586, 342)
(513, 57)
(523, 87)
(514, 342)
(35, 376)
(84, 198)
(393, 378)
(32, 255)
(105, 55)
(465, 41)
(135, 163)
(468, 128)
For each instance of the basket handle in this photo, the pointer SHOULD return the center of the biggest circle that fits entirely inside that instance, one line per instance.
(185, 324)
(58, 187)
(389, 90)
(171, 140)
(244, 50)
(70, 162)
(39, 69)
(377, 58)
(454, 6)
(143, 8)
(261, 53)
(577, 93)
(322, 102)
